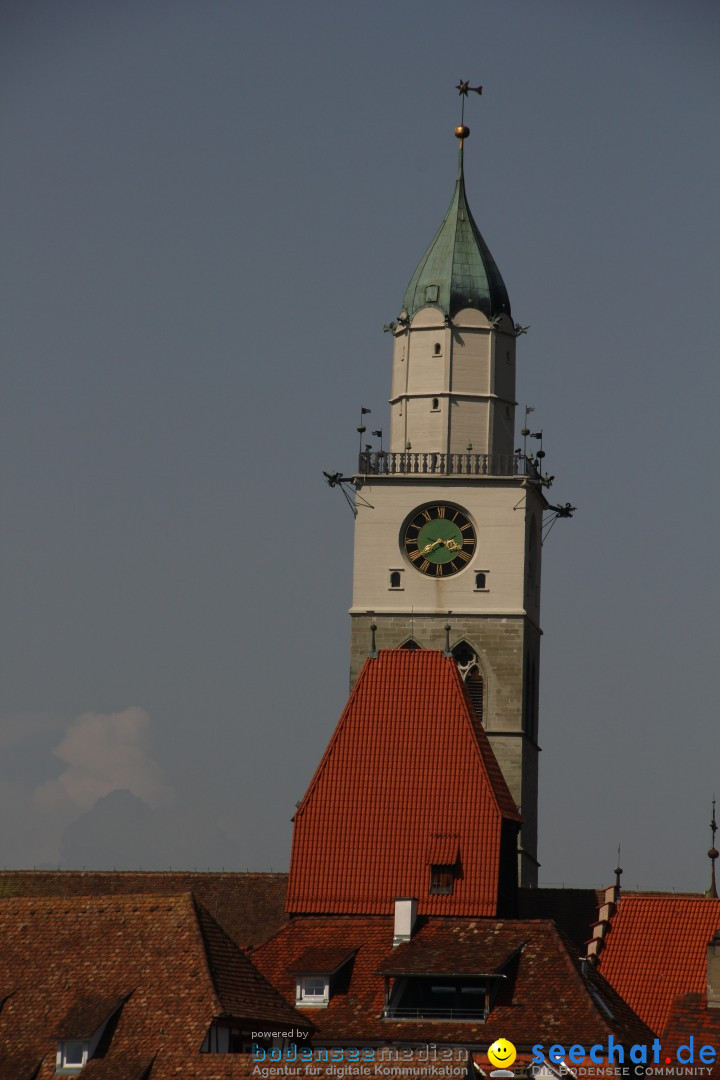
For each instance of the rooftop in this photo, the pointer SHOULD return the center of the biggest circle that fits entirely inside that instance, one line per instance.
(546, 993)
(406, 765)
(655, 951)
(457, 271)
(159, 966)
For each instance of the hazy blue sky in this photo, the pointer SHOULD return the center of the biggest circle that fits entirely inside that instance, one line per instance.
(209, 208)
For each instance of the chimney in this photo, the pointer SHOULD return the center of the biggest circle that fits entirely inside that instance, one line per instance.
(713, 971)
(405, 916)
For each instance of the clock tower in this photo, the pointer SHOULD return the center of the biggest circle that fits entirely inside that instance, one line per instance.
(449, 520)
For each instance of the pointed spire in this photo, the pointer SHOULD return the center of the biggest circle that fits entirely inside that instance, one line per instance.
(457, 270)
(712, 892)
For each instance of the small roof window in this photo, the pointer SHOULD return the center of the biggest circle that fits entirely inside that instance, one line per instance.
(317, 972)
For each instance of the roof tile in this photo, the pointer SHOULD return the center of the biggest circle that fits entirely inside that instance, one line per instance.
(656, 951)
(405, 765)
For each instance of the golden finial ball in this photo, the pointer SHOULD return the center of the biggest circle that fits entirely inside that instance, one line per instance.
(462, 132)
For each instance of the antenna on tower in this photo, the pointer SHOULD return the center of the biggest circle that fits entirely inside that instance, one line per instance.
(712, 892)
(618, 872)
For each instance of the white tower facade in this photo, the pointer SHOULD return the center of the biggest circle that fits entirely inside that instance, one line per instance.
(449, 520)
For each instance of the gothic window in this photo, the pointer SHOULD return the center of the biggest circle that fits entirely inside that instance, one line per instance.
(475, 688)
(410, 644)
(469, 667)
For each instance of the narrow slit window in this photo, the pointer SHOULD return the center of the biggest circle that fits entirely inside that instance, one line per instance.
(436, 404)
(437, 349)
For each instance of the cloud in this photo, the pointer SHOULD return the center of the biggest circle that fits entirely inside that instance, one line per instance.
(87, 792)
(104, 752)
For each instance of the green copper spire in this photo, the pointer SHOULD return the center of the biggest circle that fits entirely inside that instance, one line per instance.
(457, 270)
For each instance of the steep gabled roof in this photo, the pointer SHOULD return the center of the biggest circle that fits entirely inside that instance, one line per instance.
(241, 989)
(172, 970)
(406, 767)
(656, 951)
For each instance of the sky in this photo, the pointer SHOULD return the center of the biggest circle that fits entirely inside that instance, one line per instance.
(209, 210)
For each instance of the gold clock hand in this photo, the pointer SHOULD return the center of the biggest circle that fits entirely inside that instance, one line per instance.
(452, 545)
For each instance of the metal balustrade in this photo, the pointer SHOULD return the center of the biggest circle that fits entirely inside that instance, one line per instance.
(422, 463)
(435, 1014)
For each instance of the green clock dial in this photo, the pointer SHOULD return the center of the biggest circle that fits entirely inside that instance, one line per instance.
(439, 539)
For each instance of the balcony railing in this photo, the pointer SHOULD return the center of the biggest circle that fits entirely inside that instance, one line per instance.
(413, 463)
(435, 1014)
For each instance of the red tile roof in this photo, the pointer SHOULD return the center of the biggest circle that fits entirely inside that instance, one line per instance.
(250, 907)
(454, 948)
(87, 1012)
(656, 951)
(547, 995)
(443, 850)
(322, 961)
(690, 1018)
(406, 764)
(68, 961)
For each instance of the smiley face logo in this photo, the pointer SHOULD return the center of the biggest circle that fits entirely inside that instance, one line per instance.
(502, 1053)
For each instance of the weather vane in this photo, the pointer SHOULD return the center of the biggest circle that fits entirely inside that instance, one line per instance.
(464, 88)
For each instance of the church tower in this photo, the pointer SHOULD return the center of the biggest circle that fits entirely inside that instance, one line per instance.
(449, 520)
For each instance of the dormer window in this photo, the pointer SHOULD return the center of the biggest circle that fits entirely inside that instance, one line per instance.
(442, 879)
(443, 861)
(312, 990)
(318, 974)
(72, 1055)
(89, 1020)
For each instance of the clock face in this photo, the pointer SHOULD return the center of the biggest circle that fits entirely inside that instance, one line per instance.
(439, 539)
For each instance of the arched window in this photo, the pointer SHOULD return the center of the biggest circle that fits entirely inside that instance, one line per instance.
(435, 404)
(481, 581)
(437, 351)
(395, 579)
(469, 667)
